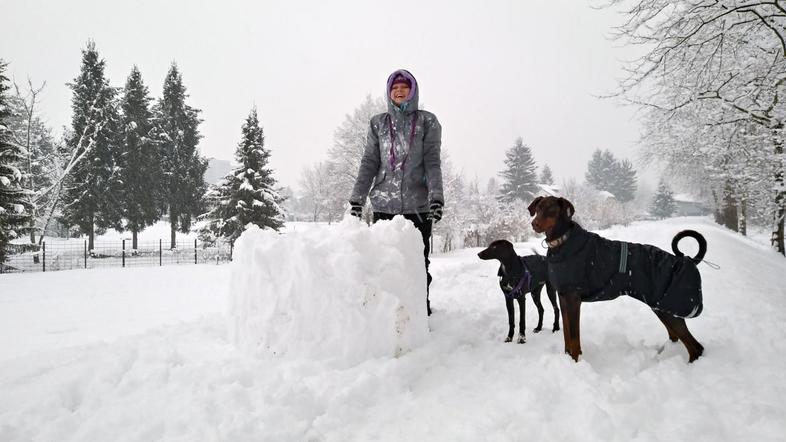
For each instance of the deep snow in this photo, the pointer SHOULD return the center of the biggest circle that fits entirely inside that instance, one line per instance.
(144, 354)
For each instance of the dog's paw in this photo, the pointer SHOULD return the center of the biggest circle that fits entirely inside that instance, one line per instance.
(522, 339)
(537, 329)
(555, 329)
(509, 339)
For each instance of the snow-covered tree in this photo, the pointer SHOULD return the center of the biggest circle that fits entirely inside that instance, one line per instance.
(140, 160)
(520, 178)
(248, 194)
(344, 157)
(177, 135)
(606, 173)
(92, 186)
(663, 204)
(711, 85)
(14, 199)
(546, 177)
(314, 181)
(625, 183)
(41, 162)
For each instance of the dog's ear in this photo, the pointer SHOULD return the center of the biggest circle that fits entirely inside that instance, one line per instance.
(567, 207)
(534, 205)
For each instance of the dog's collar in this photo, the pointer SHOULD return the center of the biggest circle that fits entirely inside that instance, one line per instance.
(559, 241)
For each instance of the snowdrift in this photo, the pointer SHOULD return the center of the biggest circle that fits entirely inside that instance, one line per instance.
(345, 293)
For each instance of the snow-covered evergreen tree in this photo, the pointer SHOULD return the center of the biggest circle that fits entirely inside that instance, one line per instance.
(607, 173)
(141, 163)
(520, 178)
(14, 199)
(663, 204)
(625, 181)
(177, 135)
(546, 177)
(92, 186)
(601, 170)
(247, 195)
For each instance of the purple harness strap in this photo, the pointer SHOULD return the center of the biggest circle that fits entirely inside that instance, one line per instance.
(526, 278)
(392, 154)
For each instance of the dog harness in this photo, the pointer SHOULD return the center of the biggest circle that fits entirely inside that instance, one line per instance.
(524, 281)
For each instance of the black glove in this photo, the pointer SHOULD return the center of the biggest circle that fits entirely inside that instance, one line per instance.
(435, 211)
(356, 209)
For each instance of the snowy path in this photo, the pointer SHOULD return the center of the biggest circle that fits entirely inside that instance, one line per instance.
(142, 354)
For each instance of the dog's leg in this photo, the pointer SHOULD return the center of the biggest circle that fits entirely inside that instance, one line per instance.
(539, 306)
(571, 315)
(522, 320)
(553, 298)
(672, 336)
(511, 318)
(678, 326)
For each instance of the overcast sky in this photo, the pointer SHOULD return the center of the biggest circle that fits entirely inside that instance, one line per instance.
(490, 70)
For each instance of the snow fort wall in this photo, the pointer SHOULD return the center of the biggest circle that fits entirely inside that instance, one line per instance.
(347, 292)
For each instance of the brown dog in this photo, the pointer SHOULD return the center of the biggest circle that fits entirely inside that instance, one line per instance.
(584, 267)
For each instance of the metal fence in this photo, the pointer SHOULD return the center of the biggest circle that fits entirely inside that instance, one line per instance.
(67, 255)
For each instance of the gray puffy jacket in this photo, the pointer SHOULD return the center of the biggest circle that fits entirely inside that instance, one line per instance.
(401, 161)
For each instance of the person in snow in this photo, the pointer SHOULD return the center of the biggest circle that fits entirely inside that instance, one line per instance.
(401, 163)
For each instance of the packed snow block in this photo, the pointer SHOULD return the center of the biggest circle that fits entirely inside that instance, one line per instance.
(346, 292)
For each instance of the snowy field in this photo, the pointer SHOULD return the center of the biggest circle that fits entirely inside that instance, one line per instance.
(145, 354)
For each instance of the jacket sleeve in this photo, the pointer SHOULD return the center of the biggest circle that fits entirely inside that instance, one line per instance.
(432, 145)
(369, 166)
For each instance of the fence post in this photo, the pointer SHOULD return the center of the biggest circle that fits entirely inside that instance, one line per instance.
(159, 253)
(85, 253)
(43, 248)
(195, 251)
(124, 253)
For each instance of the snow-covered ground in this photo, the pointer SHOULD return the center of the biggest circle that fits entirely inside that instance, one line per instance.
(143, 354)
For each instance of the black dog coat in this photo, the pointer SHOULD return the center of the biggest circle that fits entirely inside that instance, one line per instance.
(600, 269)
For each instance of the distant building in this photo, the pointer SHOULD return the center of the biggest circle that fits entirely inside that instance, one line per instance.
(688, 205)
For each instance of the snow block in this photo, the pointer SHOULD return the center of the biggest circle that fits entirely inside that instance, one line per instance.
(346, 292)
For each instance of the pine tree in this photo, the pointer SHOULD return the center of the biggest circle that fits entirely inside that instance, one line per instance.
(247, 194)
(545, 176)
(177, 135)
(663, 204)
(601, 170)
(92, 188)
(141, 166)
(14, 200)
(625, 182)
(607, 173)
(520, 176)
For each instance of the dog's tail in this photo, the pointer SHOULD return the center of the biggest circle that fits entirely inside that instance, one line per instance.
(692, 234)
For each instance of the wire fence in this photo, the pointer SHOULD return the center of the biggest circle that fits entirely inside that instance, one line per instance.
(70, 254)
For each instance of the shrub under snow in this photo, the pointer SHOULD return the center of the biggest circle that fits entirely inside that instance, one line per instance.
(346, 292)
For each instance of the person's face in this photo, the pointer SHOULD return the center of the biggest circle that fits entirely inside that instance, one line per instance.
(399, 93)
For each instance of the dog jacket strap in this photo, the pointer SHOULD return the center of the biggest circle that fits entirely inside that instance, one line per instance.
(623, 257)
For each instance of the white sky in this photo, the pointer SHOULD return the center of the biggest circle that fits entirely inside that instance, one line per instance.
(490, 70)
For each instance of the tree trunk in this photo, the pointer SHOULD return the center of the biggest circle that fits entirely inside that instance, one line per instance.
(780, 198)
(173, 230)
(91, 236)
(729, 209)
(133, 239)
(743, 220)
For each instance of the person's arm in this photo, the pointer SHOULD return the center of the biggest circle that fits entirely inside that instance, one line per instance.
(369, 166)
(432, 144)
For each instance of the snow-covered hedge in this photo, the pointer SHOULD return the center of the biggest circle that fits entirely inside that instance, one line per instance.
(346, 292)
